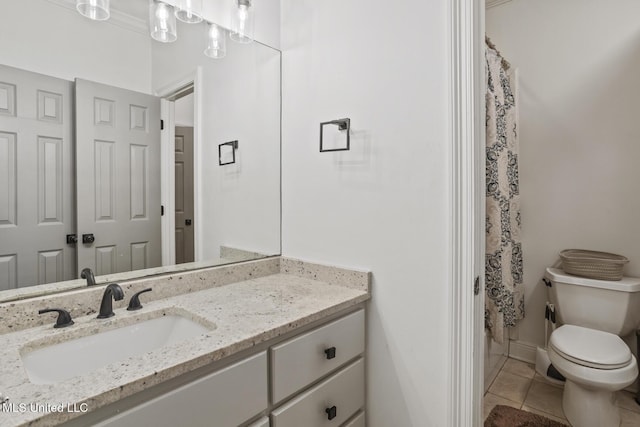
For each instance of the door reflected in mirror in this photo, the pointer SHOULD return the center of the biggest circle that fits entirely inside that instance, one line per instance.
(84, 157)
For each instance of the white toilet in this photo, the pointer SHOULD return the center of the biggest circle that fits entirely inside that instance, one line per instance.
(587, 348)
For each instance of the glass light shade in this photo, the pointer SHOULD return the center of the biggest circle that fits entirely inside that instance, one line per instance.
(189, 11)
(216, 42)
(162, 22)
(242, 22)
(98, 10)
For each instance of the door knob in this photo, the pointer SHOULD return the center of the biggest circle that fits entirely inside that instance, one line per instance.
(88, 238)
(187, 222)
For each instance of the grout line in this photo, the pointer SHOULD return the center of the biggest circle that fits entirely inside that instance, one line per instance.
(505, 398)
(527, 393)
(497, 373)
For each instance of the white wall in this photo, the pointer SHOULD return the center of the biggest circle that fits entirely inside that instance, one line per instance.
(46, 38)
(184, 111)
(240, 101)
(579, 72)
(384, 205)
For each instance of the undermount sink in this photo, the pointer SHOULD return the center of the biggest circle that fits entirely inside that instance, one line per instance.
(61, 361)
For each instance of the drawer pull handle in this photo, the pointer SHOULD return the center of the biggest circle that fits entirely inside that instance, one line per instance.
(330, 352)
(331, 412)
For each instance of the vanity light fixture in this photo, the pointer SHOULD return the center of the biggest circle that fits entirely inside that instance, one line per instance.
(162, 22)
(189, 11)
(216, 42)
(242, 22)
(98, 10)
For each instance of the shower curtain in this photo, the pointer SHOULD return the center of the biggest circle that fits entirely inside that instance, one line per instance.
(503, 262)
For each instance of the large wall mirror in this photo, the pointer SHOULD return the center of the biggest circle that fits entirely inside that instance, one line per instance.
(129, 156)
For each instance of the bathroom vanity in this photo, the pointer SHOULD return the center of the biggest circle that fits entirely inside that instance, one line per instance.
(283, 345)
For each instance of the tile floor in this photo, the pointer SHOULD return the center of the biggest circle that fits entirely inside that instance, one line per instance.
(518, 385)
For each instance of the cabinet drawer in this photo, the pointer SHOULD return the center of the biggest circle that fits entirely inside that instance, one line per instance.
(225, 398)
(264, 422)
(302, 360)
(344, 391)
(357, 421)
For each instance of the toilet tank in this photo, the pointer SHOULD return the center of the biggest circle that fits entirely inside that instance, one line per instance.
(611, 306)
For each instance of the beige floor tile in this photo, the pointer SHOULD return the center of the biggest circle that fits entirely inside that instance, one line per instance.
(550, 416)
(538, 377)
(519, 368)
(629, 418)
(626, 400)
(546, 398)
(491, 400)
(510, 386)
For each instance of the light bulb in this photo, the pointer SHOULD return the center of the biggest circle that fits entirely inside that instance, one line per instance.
(98, 10)
(243, 14)
(242, 24)
(216, 42)
(162, 22)
(189, 11)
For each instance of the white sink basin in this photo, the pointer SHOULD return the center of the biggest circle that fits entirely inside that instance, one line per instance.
(58, 362)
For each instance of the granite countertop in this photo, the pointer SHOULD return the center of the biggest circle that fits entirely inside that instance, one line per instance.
(244, 313)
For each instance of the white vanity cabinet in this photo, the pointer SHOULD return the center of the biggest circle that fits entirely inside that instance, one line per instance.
(225, 398)
(331, 354)
(262, 422)
(357, 421)
(332, 402)
(306, 358)
(315, 378)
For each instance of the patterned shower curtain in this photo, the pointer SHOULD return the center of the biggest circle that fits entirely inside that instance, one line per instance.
(503, 263)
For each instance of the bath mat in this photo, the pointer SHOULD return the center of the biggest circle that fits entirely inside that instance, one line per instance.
(506, 416)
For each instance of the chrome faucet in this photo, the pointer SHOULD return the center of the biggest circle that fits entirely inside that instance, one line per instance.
(112, 292)
(88, 274)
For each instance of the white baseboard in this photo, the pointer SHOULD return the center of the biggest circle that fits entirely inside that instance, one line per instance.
(523, 351)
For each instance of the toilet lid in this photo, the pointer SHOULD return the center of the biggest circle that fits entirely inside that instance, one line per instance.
(589, 347)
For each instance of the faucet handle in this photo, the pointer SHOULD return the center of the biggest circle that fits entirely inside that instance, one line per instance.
(134, 302)
(64, 318)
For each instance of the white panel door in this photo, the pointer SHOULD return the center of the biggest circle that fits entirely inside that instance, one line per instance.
(118, 185)
(36, 179)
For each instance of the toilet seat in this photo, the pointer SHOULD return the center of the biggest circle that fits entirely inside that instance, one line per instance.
(590, 347)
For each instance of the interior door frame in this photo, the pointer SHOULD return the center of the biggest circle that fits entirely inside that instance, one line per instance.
(466, 94)
(167, 153)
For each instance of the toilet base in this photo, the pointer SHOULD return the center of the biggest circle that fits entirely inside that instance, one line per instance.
(586, 407)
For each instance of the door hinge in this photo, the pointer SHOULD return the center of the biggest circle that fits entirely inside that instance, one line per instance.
(161, 210)
(476, 286)
(161, 124)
